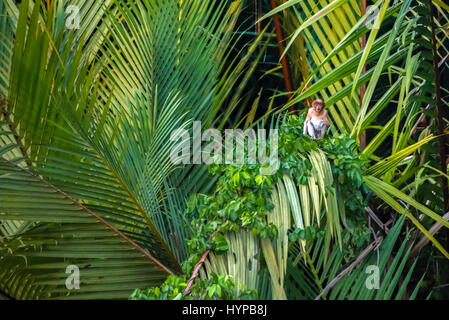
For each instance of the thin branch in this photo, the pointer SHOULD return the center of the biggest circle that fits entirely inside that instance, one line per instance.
(376, 219)
(425, 240)
(285, 69)
(373, 245)
(196, 272)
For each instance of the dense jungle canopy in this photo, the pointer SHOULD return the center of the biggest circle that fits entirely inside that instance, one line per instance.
(92, 205)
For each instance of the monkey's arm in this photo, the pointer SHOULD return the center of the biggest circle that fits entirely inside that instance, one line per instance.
(306, 122)
(326, 119)
(309, 115)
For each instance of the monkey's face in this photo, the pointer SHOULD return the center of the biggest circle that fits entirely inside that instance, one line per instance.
(318, 107)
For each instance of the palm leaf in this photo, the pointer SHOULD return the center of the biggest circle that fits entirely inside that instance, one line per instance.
(68, 233)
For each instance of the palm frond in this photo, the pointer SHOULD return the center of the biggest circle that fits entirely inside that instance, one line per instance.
(111, 265)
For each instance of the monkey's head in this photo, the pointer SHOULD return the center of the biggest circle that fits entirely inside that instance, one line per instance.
(318, 105)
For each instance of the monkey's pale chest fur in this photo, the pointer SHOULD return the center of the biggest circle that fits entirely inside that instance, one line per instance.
(316, 124)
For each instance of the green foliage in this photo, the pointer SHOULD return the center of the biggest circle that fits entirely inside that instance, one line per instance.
(241, 197)
(347, 163)
(310, 233)
(216, 287)
(242, 200)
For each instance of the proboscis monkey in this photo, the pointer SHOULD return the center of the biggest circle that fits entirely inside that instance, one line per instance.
(317, 122)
